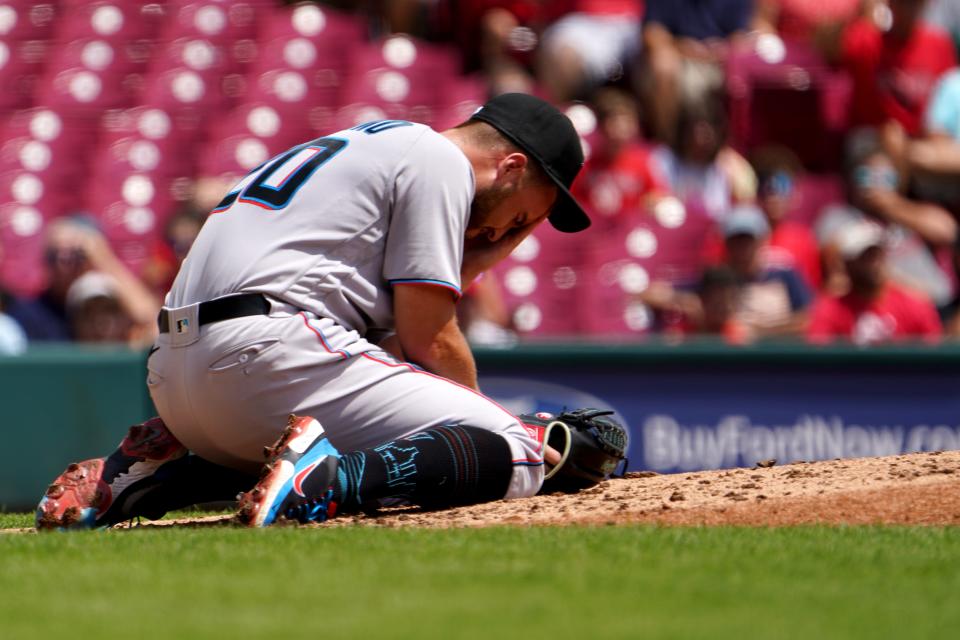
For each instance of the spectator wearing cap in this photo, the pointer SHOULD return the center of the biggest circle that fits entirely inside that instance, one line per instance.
(94, 310)
(875, 309)
(74, 247)
(895, 59)
(773, 299)
(685, 43)
(99, 312)
(915, 230)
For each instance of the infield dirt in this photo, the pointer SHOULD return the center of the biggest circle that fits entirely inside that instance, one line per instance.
(921, 488)
(913, 489)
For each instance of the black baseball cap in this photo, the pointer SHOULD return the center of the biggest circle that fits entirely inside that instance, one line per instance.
(548, 136)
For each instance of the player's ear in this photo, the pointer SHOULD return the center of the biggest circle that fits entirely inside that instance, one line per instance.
(512, 166)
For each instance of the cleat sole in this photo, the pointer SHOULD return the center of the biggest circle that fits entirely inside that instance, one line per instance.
(152, 441)
(74, 498)
(297, 436)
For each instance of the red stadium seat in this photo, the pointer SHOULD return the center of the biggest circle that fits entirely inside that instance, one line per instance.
(782, 102)
(277, 131)
(22, 238)
(220, 21)
(232, 157)
(46, 160)
(541, 282)
(131, 208)
(89, 75)
(182, 89)
(312, 21)
(114, 22)
(413, 57)
(461, 97)
(174, 134)
(22, 20)
(20, 67)
(24, 47)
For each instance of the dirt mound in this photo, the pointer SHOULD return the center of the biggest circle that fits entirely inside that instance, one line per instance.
(920, 488)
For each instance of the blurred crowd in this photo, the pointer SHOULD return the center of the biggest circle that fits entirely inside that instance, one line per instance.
(756, 169)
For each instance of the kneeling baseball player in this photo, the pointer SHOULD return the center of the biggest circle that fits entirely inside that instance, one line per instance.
(324, 286)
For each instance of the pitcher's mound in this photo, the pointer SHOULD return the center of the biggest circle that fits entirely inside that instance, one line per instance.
(916, 489)
(920, 488)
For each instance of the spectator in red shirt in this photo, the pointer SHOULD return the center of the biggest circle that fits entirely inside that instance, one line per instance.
(875, 310)
(791, 243)
(894, 70)
(620, 178)
(813, 23)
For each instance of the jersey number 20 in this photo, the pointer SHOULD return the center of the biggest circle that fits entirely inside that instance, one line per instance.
(274, 186)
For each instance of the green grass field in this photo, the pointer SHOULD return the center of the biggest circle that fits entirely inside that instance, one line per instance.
(612, 582)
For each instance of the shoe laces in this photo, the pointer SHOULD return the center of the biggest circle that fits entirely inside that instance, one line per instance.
(315, 509)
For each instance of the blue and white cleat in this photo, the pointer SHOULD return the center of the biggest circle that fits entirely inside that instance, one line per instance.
(298, 480)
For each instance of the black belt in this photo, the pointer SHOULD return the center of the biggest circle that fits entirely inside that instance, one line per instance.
(245, 304)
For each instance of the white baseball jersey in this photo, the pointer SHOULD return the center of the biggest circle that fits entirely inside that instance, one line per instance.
(330, 225)
(326, 229)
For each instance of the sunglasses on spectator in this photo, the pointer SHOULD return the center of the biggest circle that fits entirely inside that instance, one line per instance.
(875, 177)
(778, 184)
(64, 257)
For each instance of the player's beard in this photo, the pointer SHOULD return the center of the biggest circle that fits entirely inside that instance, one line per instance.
(484, 202)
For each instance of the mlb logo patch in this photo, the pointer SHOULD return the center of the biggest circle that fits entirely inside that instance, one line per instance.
(182, 325)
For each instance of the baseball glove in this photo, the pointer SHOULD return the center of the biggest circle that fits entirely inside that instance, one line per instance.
(592, 446)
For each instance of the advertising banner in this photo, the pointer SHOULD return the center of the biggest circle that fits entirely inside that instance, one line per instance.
(693, 418)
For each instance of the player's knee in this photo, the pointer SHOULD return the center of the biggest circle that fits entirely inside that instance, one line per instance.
(481, 465)
(526, 462)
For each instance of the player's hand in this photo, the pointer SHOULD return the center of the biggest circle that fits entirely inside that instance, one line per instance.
(479, 254)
